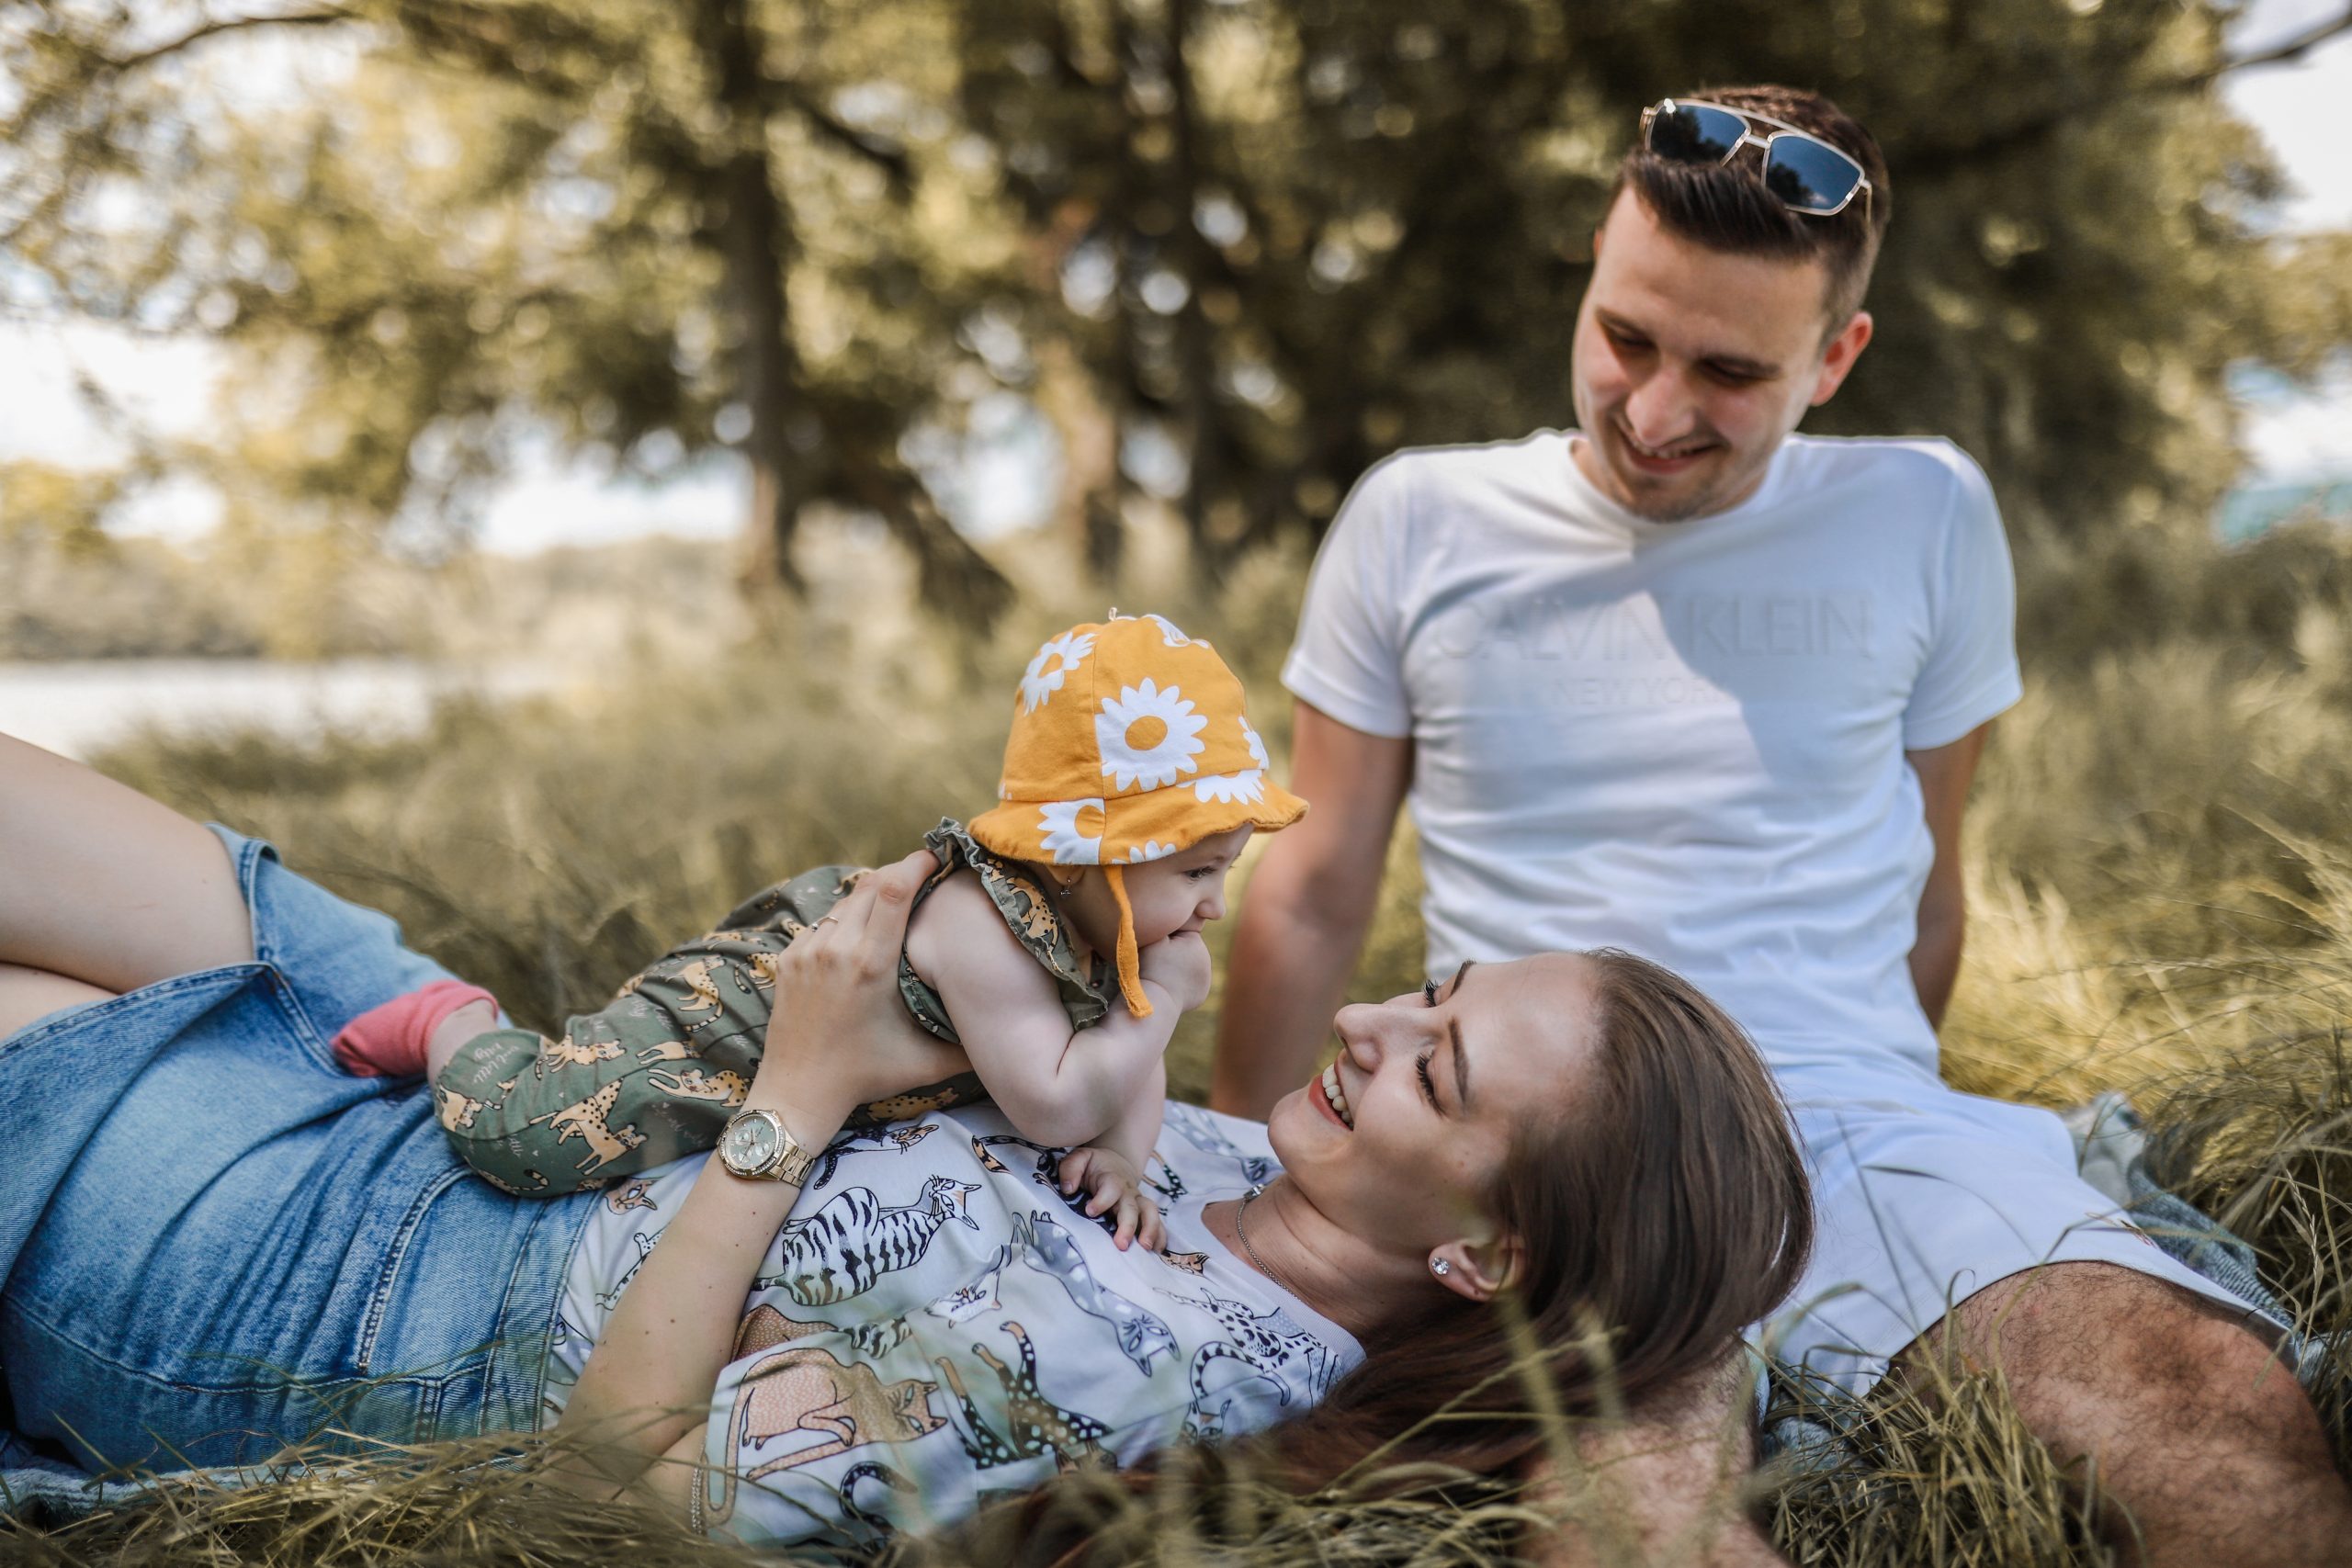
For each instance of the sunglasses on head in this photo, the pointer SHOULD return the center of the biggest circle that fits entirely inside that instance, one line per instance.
(1805, 172)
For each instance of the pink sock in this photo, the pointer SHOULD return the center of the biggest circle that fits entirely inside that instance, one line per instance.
(388, 1040)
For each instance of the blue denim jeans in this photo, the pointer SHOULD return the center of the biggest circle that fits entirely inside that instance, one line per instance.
(213, 1241)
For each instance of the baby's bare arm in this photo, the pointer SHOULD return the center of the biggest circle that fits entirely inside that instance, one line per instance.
(1112, 1168)
(1057, 1085)
(1136, 1133)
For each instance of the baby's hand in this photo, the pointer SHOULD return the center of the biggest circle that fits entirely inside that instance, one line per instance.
(1178, 964)
(1118, 1188)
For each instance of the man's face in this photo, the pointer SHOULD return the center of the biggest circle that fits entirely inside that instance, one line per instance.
(1692, 365)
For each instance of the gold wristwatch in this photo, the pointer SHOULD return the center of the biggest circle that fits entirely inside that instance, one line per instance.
(758, 1146)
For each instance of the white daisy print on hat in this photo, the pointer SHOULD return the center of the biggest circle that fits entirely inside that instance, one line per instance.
(1062, 824)
(1064, 654)
(1257, 747)
(1150, 850)
(1248, 785)
(1148, 736)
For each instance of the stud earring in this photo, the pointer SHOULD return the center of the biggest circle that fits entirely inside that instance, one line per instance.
(1441, 1267)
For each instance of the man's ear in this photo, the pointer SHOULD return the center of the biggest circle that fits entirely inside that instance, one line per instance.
(1837, 359)
(1478, 1270)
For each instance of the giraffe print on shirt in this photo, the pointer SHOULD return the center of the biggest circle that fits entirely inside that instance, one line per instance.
(1033, 1425)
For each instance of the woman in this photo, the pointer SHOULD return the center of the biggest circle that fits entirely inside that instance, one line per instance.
(214, 1241)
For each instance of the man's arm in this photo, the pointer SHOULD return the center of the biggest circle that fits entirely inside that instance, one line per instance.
(1309, 902)
(1944, 774)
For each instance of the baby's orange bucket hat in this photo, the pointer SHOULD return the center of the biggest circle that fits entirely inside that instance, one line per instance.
(1129, 744)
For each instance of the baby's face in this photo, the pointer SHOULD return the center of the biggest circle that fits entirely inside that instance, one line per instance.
(1181, 892)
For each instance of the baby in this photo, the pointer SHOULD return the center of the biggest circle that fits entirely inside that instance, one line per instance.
(1131, 782)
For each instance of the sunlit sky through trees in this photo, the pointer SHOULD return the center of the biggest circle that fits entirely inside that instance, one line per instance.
(1001, 479)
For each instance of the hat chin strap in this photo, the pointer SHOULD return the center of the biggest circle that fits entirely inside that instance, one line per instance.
(1130, 966)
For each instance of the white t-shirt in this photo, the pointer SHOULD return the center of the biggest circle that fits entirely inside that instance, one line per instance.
(935, 1324)
(1682, 738)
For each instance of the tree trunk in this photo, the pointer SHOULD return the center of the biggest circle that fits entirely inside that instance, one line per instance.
(1196, 345)
(1086, 500)
(951, 576)
(755, 239)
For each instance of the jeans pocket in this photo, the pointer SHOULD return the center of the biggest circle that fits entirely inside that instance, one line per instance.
(330, 959)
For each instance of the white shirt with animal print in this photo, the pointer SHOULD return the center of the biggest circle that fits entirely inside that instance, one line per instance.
(936, 1324)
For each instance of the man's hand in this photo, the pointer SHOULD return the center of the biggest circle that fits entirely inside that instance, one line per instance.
(1662, 1485)
(1178, 964)
(1117, 1189)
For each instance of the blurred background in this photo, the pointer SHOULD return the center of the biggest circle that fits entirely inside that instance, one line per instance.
(556, 464)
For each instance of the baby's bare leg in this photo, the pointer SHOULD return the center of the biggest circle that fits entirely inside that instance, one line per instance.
(28, 994)
(101, 884)
(468, 1022)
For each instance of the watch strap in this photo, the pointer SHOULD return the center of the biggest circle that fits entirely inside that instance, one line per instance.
(793, 1159)
(790, 1162)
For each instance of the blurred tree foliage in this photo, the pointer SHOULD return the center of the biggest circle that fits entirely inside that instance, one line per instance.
(1233, 251)
(649, 229)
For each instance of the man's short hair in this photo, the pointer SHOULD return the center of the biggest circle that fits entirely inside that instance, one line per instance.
(1724, 207)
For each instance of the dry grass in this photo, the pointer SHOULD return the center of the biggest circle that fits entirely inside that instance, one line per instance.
(2162, 904)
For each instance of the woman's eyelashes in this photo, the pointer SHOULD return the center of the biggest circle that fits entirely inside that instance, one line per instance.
(1421, 1062)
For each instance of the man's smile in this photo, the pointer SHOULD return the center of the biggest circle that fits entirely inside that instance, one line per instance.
(1674, 458)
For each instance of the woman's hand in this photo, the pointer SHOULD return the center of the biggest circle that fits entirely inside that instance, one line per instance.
(840, 1034)
(1117, 1189)
(1178, 964)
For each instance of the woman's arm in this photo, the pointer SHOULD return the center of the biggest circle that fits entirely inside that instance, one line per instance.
(649, 1380)
(838, 1037)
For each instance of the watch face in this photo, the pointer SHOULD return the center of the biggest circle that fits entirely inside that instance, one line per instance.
(749, 1143)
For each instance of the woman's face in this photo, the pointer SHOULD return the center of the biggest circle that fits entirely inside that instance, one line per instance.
(1431, 1087)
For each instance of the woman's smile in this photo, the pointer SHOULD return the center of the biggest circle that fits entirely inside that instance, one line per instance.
(1330, 1097)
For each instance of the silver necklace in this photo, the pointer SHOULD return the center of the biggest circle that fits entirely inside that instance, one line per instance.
(1241, 1230)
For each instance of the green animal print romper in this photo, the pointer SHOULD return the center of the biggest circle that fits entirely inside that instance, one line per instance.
(658, 1072)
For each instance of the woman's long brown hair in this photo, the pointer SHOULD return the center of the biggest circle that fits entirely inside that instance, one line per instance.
(1666, 1213)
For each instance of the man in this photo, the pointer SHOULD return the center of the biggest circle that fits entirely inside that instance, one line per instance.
(1686, 682)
